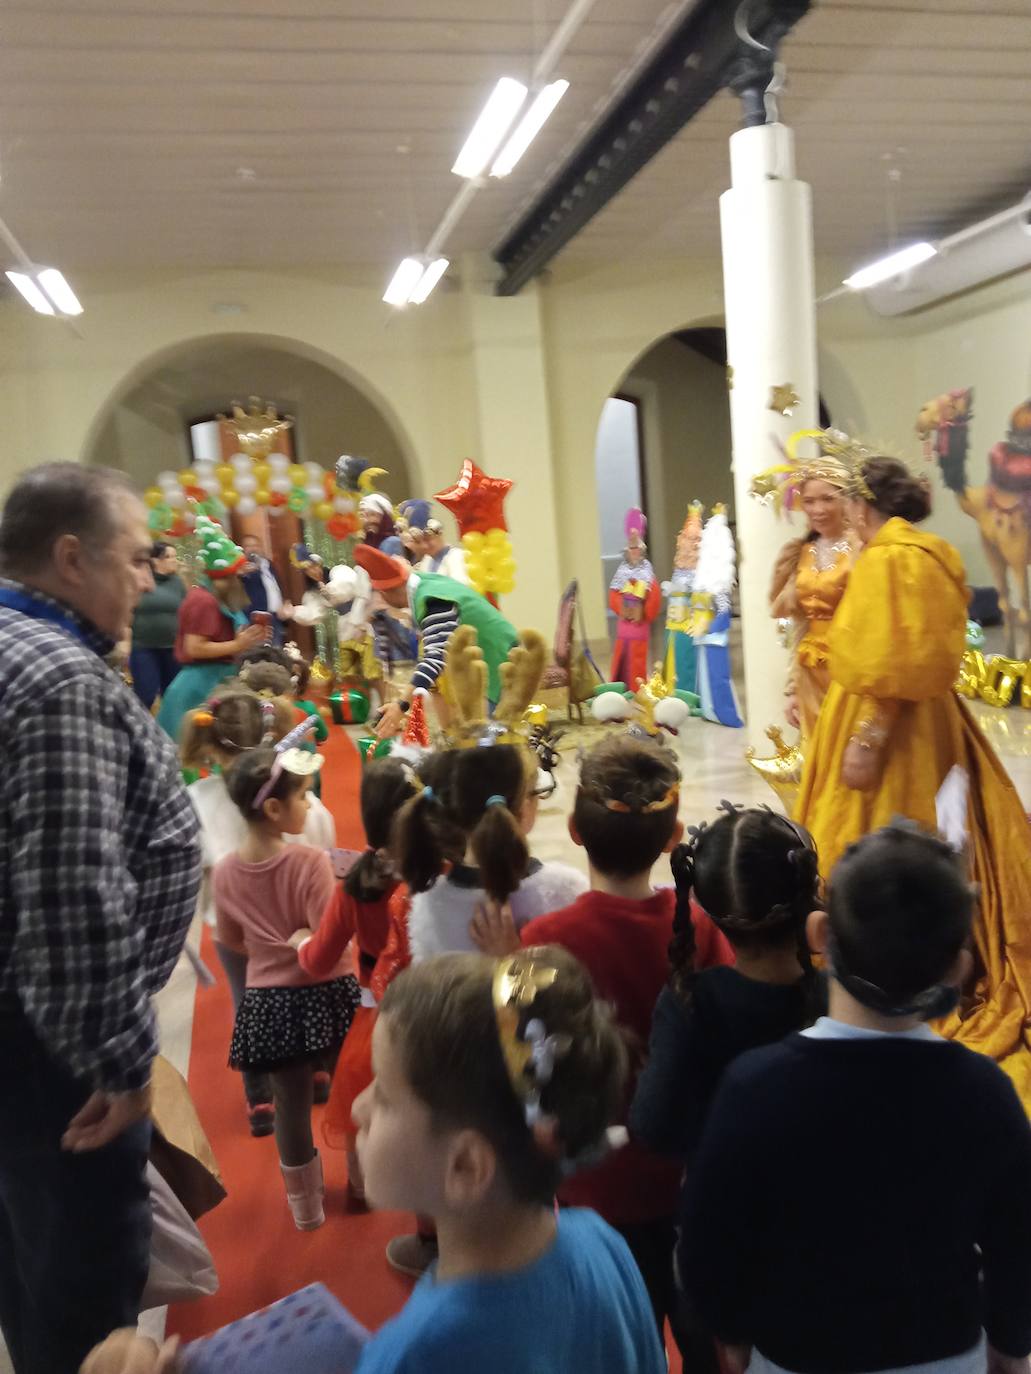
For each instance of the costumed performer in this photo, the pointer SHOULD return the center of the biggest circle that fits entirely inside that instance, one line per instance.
(212, 626)
(679, 667)
(811, 573)
(376, 515)
(425, 545)
(711, 615)
(438, 606)
(891, 730)
(635, 598)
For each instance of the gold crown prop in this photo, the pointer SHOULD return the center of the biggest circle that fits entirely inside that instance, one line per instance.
(839, 462)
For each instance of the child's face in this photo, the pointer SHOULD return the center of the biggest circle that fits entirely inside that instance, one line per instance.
(403, 1159)
(290, 815)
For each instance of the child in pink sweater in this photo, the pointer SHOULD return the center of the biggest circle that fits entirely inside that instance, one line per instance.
(286, 1020)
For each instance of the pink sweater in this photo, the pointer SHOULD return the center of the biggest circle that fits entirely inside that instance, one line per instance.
(259, 906)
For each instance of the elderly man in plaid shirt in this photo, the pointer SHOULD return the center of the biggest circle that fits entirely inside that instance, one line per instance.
(99, 869)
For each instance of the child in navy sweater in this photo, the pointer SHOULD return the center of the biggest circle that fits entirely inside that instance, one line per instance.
(861, 1199)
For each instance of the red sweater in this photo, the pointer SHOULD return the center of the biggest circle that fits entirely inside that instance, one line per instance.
(344, 920)
(624, 945)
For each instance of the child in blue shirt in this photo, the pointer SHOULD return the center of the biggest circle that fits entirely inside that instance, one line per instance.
(492, 1079)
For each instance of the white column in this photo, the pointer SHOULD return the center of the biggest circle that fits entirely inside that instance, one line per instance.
(766, 220)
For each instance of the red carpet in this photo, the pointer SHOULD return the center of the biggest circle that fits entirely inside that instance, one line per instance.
(259, 1254)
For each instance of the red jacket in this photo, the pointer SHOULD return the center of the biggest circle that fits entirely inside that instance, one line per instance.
(624, 945)
(344, 920)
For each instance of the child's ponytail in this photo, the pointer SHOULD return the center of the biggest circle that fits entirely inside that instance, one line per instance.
(424, 836)
(387, 785)
(500, 850)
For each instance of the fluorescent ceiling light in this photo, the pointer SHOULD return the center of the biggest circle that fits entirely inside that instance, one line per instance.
(433, 273)
(54, 284)
(403, 282)
(885, 268)
(506, 100)
(529, 127)
(22, 282)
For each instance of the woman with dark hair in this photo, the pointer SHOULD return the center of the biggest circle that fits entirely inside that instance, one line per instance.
(152, 661)
(892, 729)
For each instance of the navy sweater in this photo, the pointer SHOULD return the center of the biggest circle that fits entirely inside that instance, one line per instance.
(840, 1194)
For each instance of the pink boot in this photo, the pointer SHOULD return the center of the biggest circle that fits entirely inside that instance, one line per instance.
(304, 1192)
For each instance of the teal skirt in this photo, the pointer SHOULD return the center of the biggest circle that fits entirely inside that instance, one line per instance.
(190, 688)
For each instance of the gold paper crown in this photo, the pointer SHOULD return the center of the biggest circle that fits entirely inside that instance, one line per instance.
(839, 463)
(466, 671)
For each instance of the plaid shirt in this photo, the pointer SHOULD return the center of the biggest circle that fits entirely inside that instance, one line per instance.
(99, 855)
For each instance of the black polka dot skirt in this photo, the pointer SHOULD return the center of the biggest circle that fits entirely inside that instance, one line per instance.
(280, 1026)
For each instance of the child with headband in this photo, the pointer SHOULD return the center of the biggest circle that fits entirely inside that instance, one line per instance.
(216, 737)
(287, 1021)
(861, 1198)
(535, 1075)
(625, 816)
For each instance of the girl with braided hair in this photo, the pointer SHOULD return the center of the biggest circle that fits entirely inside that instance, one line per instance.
(755, 874)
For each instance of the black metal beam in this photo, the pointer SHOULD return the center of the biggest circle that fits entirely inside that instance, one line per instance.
(705, 53)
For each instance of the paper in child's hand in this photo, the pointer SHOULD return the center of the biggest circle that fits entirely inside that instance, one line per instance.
(951, 806)
(308, 1331)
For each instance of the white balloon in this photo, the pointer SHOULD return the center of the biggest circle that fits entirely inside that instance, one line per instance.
(167, 479)
(211, 485)
(314, 471)
(280, 482)
(278, 462)
(316, 493)
(611, 706)
(176, 499)
(246, 505)
(246, 485)
(343, 505)
(203, 467)
(276, 511)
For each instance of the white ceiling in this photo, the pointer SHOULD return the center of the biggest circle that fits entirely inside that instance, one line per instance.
(170, 133)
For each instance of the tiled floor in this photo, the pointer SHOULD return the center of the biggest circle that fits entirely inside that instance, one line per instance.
(713, 767)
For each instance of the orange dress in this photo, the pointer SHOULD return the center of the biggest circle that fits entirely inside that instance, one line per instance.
(808, 590)
(895, 648)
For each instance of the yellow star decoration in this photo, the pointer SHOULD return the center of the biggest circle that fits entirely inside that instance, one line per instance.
(784, 399)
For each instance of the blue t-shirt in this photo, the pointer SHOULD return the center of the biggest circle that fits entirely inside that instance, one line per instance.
(581, 1306)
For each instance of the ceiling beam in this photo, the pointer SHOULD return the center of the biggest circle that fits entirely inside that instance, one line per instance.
(718, 44)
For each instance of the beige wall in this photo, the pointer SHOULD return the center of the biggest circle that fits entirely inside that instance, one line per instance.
(517, 384)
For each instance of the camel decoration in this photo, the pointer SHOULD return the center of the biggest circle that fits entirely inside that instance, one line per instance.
(1002, 507)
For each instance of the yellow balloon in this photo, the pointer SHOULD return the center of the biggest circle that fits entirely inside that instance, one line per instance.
(472, 542)
(505, 588)
(230, 497)
(187, 478)
(261, 496)
(153, 496)
(225, 474)
(298, 475)
(324, 510)
(496, 539)
(262, 472)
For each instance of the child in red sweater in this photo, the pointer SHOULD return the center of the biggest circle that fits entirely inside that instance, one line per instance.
(625, 816)
(365, 906)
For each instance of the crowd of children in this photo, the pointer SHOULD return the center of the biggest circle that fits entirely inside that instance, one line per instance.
(718, 1105)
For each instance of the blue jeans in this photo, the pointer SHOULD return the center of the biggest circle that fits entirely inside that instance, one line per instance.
(152, 672)
(74, 1228)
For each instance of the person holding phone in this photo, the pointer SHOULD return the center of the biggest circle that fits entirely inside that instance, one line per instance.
(268, 606)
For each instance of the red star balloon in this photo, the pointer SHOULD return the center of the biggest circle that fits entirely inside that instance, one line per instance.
(476, 501)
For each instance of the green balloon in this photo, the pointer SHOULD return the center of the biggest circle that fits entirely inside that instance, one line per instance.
(298, 501)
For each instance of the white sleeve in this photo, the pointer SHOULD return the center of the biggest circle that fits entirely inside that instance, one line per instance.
(320, 828)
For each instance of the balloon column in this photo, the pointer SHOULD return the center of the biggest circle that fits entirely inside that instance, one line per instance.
(477, 503)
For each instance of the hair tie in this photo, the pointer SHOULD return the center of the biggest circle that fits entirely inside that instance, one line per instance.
(203, 718)
(428, 794)
(497, 800)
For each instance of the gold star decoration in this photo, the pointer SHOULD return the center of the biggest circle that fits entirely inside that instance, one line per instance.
(784, 399)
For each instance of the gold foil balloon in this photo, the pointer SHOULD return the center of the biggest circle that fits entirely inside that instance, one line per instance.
(320, 674)
(1002, 677)
(973, 673)
(536, 714)
(783, 770)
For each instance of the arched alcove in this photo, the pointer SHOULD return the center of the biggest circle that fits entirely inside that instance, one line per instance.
(143, 426)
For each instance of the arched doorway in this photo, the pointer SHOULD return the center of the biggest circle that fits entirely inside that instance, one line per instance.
(143, 427)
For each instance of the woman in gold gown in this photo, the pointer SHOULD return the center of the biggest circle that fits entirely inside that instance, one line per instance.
(809, 580)
(892, 728)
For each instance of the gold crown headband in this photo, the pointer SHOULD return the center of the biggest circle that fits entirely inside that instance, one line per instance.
(839, 463)
(528, 1050)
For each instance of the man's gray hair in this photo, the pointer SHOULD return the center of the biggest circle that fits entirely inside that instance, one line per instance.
(56, 499)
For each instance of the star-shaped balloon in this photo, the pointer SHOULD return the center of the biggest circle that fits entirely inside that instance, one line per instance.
(476, 501)
(784, 400)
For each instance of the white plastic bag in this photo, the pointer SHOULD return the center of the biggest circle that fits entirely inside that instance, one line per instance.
(181, 1266)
